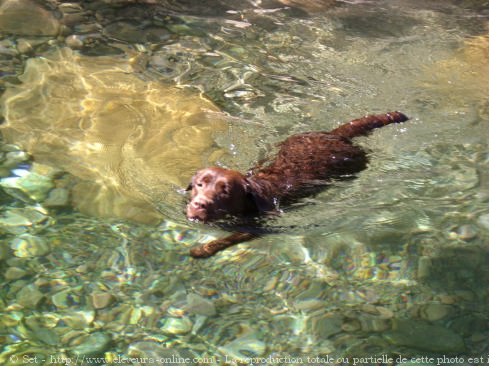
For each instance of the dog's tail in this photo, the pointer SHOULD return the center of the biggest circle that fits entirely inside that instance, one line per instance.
(362, 126)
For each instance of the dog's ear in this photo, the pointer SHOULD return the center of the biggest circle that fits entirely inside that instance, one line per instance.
(257, 195)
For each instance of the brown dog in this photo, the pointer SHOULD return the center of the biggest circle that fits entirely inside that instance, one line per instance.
(303, 163)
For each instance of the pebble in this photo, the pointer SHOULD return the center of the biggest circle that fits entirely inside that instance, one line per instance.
(87, 28)
(8, 49)
(241, 94)
(370, 309)
(34, 321)
(13, 158)
(24, 46)
(70, 19)
(14, 273)
(180, 28)
(374, 324)
(176, 326)
(484, 221)
(57, 197)
(93, 345)
(66, 298)
(125, 31)
(19, 220)
(101, 300)
(12, 318)
(70, 8)
(309, 304)
(327, 325)
(434, 312)
(28, 246)
(424, 267)
(426, 337)
(467, 232)
(199, 305)
(447, 299)
(352, 325)
(14, 223)
(75, 42)
(29, 296)
(385, 313)
(27, 18)
(79, 319)
(28, 187)
(244, 347)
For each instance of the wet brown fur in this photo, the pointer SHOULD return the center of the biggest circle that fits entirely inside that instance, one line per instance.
(303, 163)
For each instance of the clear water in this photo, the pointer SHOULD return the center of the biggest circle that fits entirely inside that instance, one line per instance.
(380, 265)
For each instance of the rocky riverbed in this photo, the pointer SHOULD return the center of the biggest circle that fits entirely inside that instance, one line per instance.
(108, 107)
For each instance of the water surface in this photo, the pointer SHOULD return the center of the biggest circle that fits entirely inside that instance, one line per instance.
(118, 103)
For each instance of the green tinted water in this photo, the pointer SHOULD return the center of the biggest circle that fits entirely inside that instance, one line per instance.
(119, 103)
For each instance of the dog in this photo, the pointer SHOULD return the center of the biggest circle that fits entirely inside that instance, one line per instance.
(304, 163)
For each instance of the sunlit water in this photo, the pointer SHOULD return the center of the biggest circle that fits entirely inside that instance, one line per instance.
(130, 100)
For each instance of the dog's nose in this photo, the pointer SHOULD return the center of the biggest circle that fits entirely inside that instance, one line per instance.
(199, 204)
(197, 209)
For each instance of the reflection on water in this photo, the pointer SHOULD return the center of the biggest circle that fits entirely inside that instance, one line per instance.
(465, 73)
(131, 142)
(391, 263)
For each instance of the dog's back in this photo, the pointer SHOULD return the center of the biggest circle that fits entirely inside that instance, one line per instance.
(309, 159)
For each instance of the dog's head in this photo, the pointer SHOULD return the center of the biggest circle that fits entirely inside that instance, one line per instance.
(216, 192)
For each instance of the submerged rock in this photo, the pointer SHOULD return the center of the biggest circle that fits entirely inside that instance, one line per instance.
(101, 300)
(92, 345)
(21, 220)
(57, 197)
(14, 273)
(12, 158)
(78, 319)
(28, 187)
(28, 246)
(244, 347)
(67, 298)
(434, 312)
(125, 31)
(27, 18)
(74, 42)
(129, 141)
(176, 326)
(484, 221)
(464, 71)
(426, 337)
(29, 296)
(424, 267)
(198, 305)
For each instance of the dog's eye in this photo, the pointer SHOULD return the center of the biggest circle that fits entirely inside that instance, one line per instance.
(199, 184)
(223, 188)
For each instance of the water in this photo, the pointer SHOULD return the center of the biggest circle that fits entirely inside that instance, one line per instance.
(119, 103)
